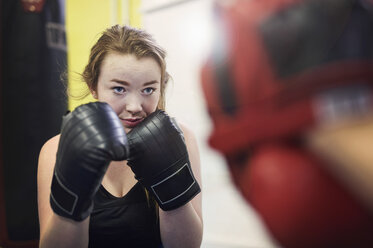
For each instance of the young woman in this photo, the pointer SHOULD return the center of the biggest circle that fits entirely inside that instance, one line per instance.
(113, 204)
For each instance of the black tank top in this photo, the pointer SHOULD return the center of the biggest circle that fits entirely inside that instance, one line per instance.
(127, 221)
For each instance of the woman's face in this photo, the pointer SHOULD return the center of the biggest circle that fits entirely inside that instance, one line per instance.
(130, 86)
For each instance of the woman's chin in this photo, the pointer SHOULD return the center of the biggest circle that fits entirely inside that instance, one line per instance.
(127, 129)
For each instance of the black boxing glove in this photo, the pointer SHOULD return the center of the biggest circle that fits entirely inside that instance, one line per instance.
(160, 161)
(91, 137)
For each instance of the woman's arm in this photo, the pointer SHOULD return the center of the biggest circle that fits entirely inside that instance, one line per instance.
(183, 227)
(55, 231)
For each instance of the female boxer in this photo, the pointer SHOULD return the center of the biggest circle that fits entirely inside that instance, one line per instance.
(100, 185)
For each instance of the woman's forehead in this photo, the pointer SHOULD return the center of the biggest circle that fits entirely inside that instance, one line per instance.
(127, 66)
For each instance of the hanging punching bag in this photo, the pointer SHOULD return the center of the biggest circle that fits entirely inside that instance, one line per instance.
(32, 103)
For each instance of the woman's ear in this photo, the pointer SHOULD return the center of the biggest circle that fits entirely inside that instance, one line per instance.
(94, 94)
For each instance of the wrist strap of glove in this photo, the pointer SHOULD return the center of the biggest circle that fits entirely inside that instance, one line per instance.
(174, 187)
(68, 204)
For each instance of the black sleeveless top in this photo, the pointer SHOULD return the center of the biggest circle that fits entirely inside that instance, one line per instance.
(126, 221)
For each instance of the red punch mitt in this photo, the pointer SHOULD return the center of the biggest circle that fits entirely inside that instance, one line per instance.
(300, 203)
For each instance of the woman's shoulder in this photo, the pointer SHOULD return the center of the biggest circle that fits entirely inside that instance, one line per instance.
(189, 137)
(49, 148)
(52, 142)
(187, 131)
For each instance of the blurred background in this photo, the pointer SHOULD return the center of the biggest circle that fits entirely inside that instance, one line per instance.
(43, 39)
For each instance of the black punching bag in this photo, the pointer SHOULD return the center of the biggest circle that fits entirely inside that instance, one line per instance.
(33, 101)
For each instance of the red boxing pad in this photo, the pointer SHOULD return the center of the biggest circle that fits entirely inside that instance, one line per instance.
(301, 205)
(280, 67)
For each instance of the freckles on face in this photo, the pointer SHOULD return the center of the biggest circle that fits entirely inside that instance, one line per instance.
(131, 86)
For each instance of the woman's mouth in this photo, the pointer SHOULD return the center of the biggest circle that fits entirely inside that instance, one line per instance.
(131, 122)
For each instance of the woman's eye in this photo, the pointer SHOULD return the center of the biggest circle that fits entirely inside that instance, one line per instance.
(148, 91)
(119, 90)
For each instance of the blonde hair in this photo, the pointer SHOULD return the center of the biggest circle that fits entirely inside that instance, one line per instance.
(125, 40)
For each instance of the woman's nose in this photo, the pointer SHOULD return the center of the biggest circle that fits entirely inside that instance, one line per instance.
(133, 104)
